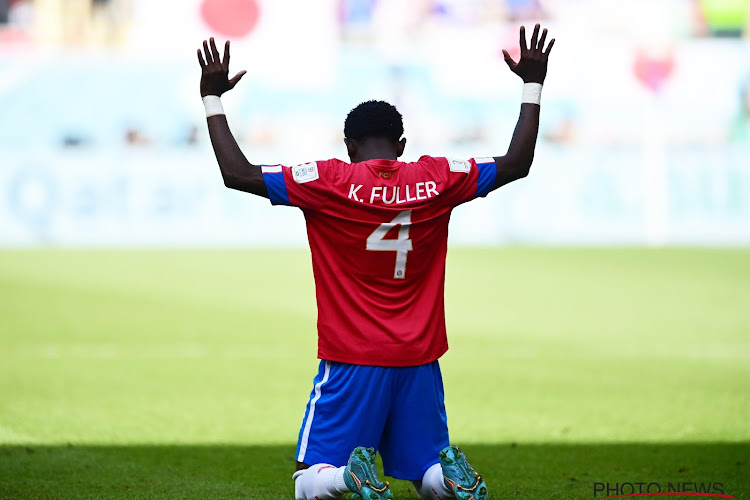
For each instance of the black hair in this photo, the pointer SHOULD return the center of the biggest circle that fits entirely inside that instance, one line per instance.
(374, 119)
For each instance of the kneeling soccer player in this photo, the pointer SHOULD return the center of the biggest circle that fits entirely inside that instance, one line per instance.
(378, 230)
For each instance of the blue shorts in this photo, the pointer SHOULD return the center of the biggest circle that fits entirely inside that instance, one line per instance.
(399, 411)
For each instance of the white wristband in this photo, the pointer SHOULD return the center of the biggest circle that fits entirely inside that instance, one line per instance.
(213, 106)
(532, 93)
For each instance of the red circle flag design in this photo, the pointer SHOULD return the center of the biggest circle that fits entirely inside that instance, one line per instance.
(231, 18)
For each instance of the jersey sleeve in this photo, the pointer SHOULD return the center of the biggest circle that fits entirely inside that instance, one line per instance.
(306, 186)
(465, 180)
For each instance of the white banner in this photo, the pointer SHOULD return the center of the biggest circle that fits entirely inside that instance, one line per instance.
(177, 198)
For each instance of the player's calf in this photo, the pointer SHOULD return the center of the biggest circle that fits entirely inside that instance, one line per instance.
(319, 481)
(324, 481)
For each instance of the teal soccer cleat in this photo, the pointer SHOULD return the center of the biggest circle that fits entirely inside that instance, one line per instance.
(362, 479)
(461, 477)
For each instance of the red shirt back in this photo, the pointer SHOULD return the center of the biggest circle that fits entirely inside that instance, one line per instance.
(378, 232)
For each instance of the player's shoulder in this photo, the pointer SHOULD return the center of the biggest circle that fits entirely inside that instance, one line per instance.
(318, 169)
(443, 165)
(445, 162)
(452, 164)
(331, 163)
(431, 160)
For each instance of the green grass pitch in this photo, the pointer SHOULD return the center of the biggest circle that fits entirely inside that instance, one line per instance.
(184, 374)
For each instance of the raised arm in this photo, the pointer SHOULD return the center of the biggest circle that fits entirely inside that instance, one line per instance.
(532, 68)
(237, 172)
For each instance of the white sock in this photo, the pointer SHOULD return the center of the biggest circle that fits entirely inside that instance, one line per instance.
(319, 482)
(433, 485)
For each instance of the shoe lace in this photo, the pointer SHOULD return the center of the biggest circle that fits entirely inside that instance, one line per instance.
(379, 490)
(476, 483)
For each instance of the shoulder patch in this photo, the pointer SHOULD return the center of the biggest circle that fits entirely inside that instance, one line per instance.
(459, 165)
(305, 173)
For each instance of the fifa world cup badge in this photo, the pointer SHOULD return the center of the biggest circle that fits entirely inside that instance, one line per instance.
(459, 165)
(305, 173)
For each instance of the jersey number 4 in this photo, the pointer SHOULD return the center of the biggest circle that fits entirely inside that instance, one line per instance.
(401, 245)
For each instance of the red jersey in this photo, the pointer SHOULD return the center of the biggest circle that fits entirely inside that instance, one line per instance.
(378, 233)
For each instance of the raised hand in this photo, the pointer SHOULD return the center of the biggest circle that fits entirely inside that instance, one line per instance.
(532, 67)
(215, 72)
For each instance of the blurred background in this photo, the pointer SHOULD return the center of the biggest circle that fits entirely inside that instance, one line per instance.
(644, 140)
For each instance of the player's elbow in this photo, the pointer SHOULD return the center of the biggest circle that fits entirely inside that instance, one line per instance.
(523, 170)
(512, 167)
(522, 165)
(247, 183)
(229, 182)
(232, 182)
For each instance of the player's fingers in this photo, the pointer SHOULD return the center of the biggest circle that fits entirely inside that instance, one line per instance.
(541, 40)
(215, 51)
(534, 37)
(206, 50)
(522, 41)
(236, 78)
(549, 47)
(225, 62)
(200, 59)
(509, 60)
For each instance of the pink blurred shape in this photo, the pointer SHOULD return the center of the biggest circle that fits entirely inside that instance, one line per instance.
(231, 18)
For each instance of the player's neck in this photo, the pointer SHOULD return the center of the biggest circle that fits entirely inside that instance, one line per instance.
(374, 149)
(374, 156)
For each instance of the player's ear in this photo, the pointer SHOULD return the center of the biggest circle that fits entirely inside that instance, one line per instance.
(351, 148)
(400, 147)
